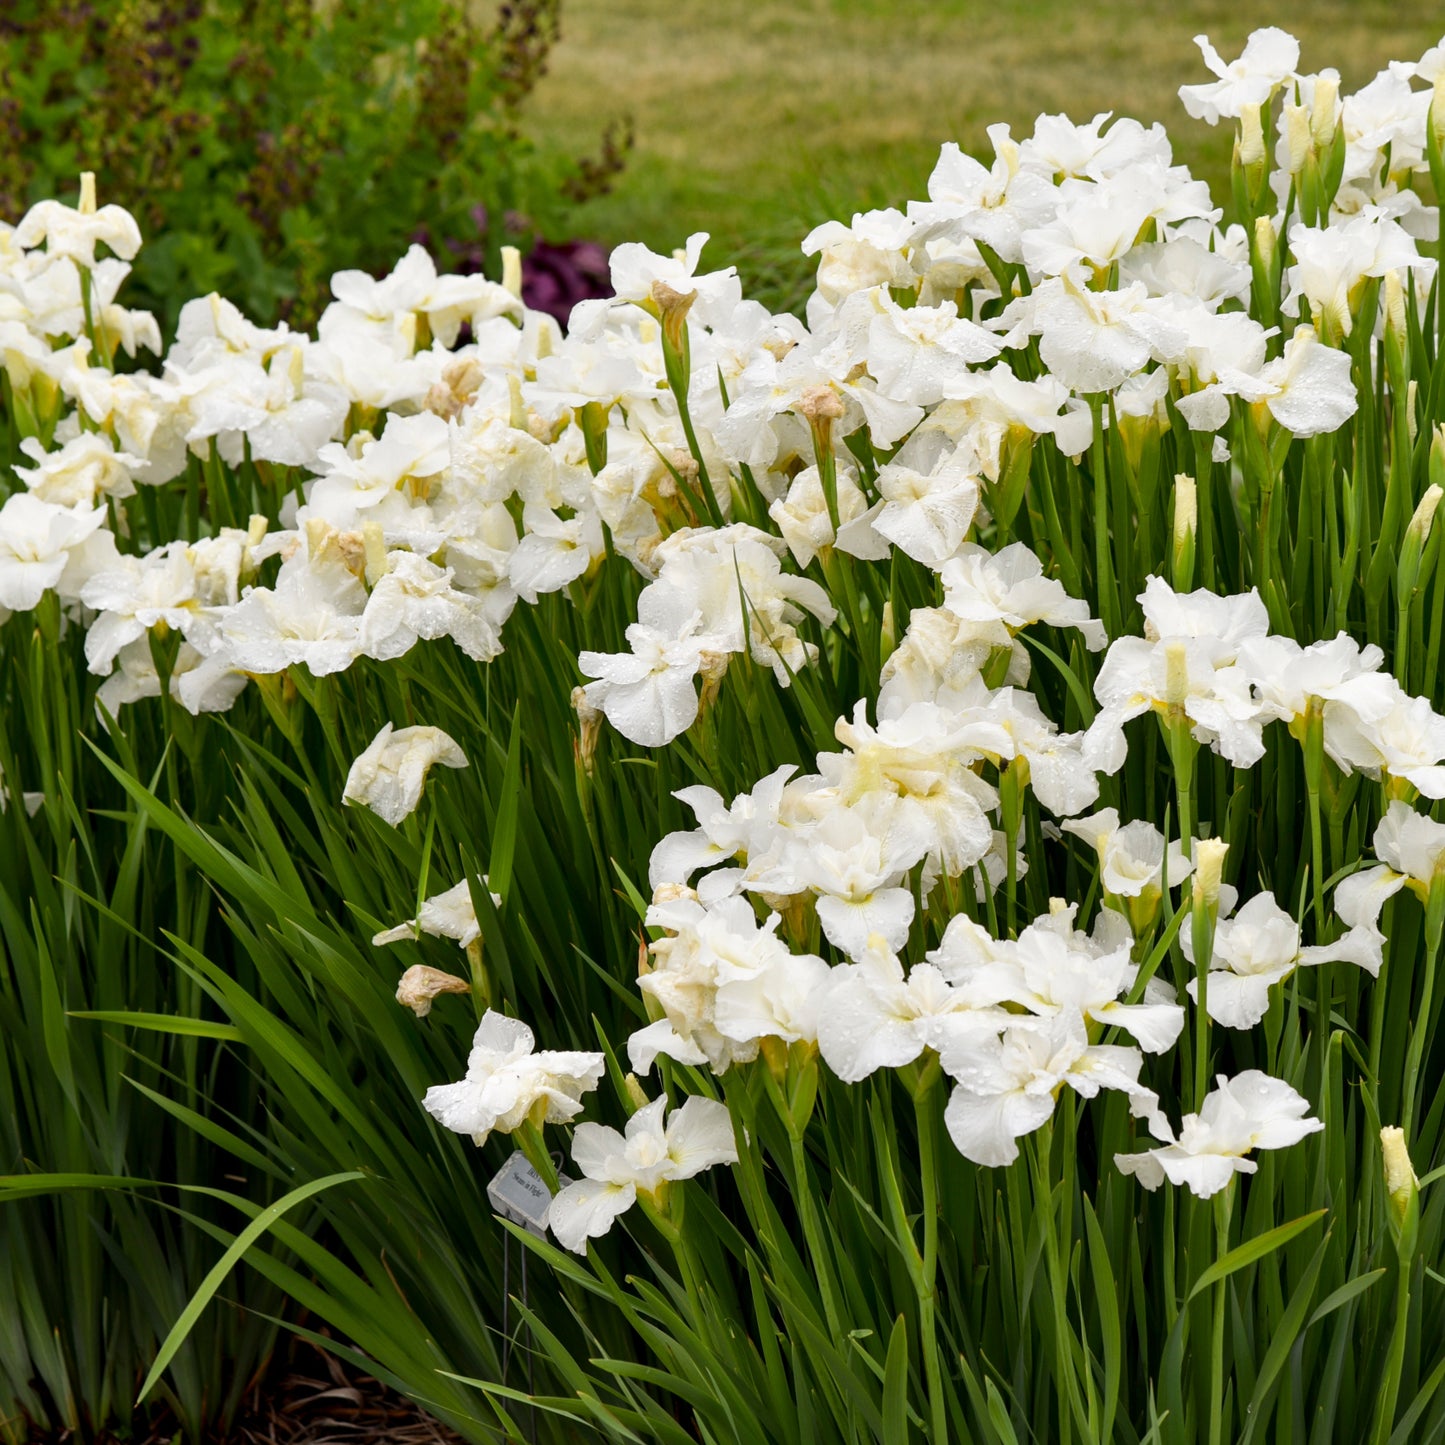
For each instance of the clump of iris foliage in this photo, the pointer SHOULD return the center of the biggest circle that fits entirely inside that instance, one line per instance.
(927, 812)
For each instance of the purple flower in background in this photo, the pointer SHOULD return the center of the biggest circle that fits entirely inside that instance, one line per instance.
(555, 277)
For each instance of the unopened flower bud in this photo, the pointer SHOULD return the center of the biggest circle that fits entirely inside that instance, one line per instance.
(373, 539)
(1397, 339)
(86, 205)
(1298, 137)
(320, 538)
(517, 417)
(887, 632)
(1419, 528)
(589, 725)
(420, 985)
(1437, 110)
(1323, 112)
(1186, 524)
(1402, 1188)
(1412, 545)
(1266, 237)
(1437, 457)
(1176, 674)
(1209, 855)
(295, 369)
(1394, 303)
(512, 270)
(1251, 136)
(592, 418)
(633, 1096)
(1400, 1177)
(1265, 260)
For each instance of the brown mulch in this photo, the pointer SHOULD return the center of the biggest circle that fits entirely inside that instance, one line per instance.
(326, 1402)
(317, 1400)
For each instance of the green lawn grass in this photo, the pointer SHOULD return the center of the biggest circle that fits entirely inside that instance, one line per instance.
(755, 120)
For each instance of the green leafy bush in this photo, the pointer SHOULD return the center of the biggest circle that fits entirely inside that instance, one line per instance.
(270, 143)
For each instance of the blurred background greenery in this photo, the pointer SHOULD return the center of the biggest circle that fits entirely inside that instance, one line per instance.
(265, 144)
(756, 121)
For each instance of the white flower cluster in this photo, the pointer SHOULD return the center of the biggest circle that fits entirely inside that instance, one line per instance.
(437, 484)
(444, 453)
(1011, 1020)
(1212, 662)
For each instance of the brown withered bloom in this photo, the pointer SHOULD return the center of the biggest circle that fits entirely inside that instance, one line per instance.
(420, 986)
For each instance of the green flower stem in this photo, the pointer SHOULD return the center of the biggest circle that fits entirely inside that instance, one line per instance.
(1314, 754)
(822, 434)
(1436, 634)
(842, 586)
(1126, 584)
(793, 1092)
(1057, 1251)
(1420, 1033)
(1204, 506)
(1394, 1360)
(1103, 558)
(927, 1293)
(1223, 1203)
(1011, 788)
(94, 329)
(1378, 998)
(1182, 752)
(677, 364)
(1201, 1021)
(1264, 548)
(666, 1215)
(216, 477)
(529, 1140)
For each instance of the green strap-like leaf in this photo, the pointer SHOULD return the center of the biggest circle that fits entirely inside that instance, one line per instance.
(1253, 1249)
(163, 1023)
(223, 1267)
(504, 832)
(1345, 1294)
(895, 1386)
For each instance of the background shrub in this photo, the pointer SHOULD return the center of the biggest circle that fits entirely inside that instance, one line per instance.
(266, 144)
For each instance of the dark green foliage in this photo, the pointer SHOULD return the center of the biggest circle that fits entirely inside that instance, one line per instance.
(265, 144)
